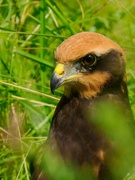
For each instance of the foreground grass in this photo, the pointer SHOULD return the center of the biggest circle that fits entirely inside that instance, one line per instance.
(27, 43)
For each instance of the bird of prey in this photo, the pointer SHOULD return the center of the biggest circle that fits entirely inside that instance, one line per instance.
(91, 67)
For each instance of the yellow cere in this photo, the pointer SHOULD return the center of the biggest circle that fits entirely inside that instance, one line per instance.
(59, 69)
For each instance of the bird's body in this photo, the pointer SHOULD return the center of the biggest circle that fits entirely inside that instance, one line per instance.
(77, 138)
(92, 69)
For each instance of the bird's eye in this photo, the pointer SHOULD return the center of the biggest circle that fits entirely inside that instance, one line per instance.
(89, 60)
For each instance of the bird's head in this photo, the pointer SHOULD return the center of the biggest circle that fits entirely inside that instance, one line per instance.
(86, 63)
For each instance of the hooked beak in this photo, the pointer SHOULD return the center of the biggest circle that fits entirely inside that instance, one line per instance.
(62, 74)
(57, 77)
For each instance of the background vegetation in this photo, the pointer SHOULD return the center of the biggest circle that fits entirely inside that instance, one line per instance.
(30, 31)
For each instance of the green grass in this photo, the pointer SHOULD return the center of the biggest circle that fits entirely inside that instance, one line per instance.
(30, 31)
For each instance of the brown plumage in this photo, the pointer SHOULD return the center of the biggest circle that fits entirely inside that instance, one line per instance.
(91, 68)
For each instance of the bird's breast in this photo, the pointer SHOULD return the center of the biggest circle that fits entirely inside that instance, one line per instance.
(76, 136)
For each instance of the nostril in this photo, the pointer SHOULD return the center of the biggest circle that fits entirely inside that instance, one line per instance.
(62, 72)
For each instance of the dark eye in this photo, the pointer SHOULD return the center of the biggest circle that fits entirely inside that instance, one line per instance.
(89, 60)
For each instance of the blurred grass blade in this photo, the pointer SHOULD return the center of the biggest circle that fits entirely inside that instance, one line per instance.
(34, 58)
(42, 40)
(60, 15)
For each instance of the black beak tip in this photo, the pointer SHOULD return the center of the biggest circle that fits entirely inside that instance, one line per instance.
(52, 88)
(54, 83)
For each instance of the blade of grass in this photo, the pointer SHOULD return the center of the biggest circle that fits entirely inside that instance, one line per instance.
(29, 90)
(42, 40)
(34, 58)
(33, 101)
(60, 16)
